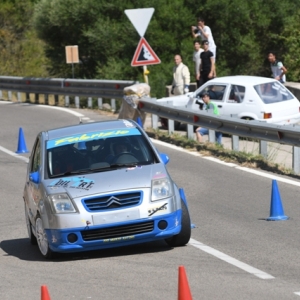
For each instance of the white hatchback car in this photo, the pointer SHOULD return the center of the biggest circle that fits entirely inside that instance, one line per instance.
(246, 97)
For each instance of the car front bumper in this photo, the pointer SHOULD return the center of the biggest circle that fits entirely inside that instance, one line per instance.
(114, 235)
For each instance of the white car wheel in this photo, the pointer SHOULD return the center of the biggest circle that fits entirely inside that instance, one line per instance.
(42, 238)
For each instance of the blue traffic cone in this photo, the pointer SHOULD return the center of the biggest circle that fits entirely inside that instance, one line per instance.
(21, 143)
(139, 121)
(276, 210)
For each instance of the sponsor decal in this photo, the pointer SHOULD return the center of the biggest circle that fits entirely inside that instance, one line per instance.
(127, 123)
(124, 238)
(154, 210)
(73, 182)
(91, 136)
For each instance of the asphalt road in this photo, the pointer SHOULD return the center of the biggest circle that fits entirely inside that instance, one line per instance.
(234, 252)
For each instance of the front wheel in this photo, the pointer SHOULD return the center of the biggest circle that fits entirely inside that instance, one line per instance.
(42, 240)
(184, 236)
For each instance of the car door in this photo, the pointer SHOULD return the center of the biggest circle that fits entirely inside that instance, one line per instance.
(33, 193)
(233, 101)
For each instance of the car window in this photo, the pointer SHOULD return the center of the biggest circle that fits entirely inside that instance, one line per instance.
(216, 91)
(36, 160)
(273, 92)
(236, 94)
(94, 150)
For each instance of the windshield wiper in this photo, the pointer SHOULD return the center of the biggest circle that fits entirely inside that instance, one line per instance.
(127, 165)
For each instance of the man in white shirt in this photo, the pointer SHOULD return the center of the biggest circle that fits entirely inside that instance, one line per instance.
(181, 77)
(197, 61)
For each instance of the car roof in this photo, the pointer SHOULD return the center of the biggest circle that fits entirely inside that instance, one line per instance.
(242, 79)
(89, 127)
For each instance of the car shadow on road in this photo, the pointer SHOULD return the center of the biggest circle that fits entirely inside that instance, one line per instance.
(22, 249)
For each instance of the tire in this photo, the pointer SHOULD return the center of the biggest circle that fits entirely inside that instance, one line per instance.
(42, 240)
(184, 236)
(31, 236)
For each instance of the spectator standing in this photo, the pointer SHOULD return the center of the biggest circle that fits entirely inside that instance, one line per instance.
(197, 60)
(204, 32)
(207, 64)
(208, 105)
(277, 67)
(181, 77)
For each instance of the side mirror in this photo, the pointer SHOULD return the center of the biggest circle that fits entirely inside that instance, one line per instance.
(34, 177)
(165, 158)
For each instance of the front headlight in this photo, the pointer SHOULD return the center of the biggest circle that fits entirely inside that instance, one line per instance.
(61, 204)
(161, 188)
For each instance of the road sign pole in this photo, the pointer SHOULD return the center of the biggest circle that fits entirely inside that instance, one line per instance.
(146, 72)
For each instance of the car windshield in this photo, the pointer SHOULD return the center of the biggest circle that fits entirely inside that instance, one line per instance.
(273, 92)
(98, 151)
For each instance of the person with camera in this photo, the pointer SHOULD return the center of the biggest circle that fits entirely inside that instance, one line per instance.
(181, 77)
(204, 32)
(208, 105)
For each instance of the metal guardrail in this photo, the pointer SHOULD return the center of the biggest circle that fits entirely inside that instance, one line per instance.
(63, 86)
(111, 89)
(263, 131)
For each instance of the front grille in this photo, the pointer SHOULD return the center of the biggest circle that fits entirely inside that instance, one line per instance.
(118, 231)
(112, 201)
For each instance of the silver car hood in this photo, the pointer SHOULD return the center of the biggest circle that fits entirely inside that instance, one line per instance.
(105, 182)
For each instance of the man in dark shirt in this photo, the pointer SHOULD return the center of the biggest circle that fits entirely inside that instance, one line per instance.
(207, 66)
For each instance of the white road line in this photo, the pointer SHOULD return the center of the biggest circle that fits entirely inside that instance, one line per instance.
(14, 154)
(230, 260)
(297, 293)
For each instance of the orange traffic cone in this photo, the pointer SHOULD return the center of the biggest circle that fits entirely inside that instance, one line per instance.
(45, 294)
(184, 292)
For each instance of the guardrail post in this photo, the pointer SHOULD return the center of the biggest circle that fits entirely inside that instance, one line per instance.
(1, 95)
(9, 93)
(90, 103)
(171, 126)
(56, 100)
(67, 101)
(212, 136)
(235, 141)
(190, 132)
(46, 99)
(154, 119)
(76, 101)
(19, 95)
(100, 103)
(36, 98)
(113, 104)
(27, 96)
(263, 148)
(296, 159)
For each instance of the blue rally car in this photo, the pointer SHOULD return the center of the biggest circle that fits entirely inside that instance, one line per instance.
(101, 185)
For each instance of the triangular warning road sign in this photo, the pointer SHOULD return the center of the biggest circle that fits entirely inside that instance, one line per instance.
(144, 55)
(140, 18)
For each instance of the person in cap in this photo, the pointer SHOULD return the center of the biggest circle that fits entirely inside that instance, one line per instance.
(207, 65)
(208, 105)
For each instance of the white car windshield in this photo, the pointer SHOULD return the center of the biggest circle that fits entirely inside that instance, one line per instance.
(273, 92)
